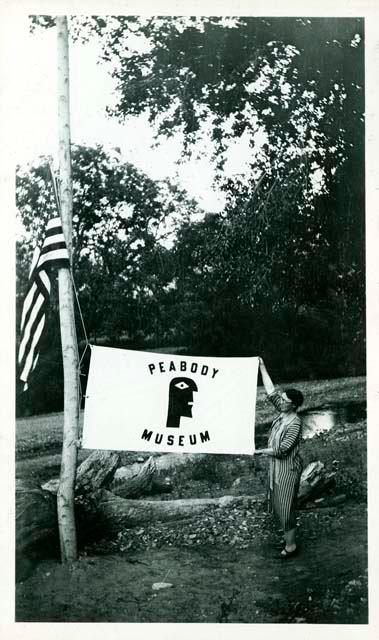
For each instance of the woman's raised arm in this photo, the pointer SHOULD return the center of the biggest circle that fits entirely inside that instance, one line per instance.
(267, 382)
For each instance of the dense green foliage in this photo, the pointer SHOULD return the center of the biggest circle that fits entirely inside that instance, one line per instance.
(280, 271)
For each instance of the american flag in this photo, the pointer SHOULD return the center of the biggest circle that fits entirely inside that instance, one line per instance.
(53, 254)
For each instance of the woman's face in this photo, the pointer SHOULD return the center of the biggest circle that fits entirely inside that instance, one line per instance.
(286, 404)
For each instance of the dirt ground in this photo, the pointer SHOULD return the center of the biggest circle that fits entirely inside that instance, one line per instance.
(326, 583)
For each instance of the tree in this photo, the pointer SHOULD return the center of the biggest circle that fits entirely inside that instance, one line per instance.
(296, 85)
(122, 224)
(287, 253)
(291, 77)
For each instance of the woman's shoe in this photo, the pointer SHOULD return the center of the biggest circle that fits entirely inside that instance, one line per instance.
(285, 555)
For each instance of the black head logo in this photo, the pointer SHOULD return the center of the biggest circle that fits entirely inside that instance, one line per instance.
(180, 400)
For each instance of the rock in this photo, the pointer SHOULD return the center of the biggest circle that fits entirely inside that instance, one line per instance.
(161, 585)
(51, 485)
(354, 583)
(337, 499)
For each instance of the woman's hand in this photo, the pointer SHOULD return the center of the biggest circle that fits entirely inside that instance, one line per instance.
(264, 452)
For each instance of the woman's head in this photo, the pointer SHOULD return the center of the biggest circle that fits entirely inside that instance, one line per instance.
(293, 398)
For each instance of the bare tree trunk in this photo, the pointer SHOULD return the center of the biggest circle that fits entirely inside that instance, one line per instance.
(163, 463)
(314, 480)
(144, 482)
(36, 516)
(65, 497)
(97, 471)
(108, 513)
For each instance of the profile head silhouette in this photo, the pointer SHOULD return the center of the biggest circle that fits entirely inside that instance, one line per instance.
(180, 400)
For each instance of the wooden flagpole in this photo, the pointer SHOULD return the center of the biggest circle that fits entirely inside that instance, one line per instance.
(65, 496)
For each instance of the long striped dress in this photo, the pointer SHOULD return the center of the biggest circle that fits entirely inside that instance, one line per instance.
(285, 466)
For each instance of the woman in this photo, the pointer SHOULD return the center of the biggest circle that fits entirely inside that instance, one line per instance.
(285, 462)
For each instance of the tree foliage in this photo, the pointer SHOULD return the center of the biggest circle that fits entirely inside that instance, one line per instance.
(285, 261)
(294, 83)
(280, 271)
(290, 77)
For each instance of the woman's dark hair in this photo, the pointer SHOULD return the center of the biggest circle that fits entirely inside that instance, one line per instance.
(295, 396)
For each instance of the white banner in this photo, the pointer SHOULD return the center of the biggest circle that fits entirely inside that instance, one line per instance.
(141, 401)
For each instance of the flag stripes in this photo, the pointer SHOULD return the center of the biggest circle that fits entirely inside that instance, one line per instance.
(33, 314)
(53, 254)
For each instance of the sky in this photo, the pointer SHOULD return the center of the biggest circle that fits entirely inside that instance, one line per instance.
(91, 90)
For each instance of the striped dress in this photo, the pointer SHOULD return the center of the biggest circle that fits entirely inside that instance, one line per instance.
(285, 465)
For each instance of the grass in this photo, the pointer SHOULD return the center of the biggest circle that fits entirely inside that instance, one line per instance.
(44, 432)
(40, 433)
